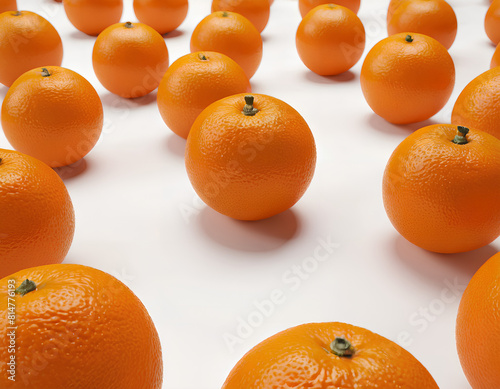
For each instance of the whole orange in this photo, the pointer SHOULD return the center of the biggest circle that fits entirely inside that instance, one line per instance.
(492, 22)
(163, 15)
(306, 5)
(478, 105)
(52, 114)
(231, 34)
(77, 327)
(130, 59)
(250, 157)
(257, 11)
(435, 18)
(478, 320)
(393, 5)
(195, 81)
(8, 5)
(407, 77)
(328, 355)
(495, 60)
(330, 39)
(441, 188)
(38, 221)
(27, 40)
(93, 16)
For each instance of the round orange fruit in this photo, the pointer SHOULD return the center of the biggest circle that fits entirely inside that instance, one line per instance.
(93, 16)
(495, 60)
(53, 114)
(27, 40)
(441, 188)
(478, 320)
(130, 59)
(250, 157)
(407, 78)
(492, 22)
(162, 15)
(77, 327)
(38, 221)
(330, 39)
(328, 355)
(257, 11)
(306, 5)
(195, 81)
(478, 105)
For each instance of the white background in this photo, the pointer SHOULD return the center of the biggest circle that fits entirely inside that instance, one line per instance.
(200, 274)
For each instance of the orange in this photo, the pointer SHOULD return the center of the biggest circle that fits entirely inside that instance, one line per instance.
(393, 5)
(38, 221)
(162, 15)
(434, 18)
(8, 5)
(330, 39)
(93, 16)
(257, 11)
(328, 355)
(492, 22)
(495, 60)
(130, 59)
(478, 320)
(250, 157)
(478, 105)
(195, 81)
(441, 188)
(77, 327)
(407, 78)
(26, 41)
(306, 5)
(52, 114)
(231, 34)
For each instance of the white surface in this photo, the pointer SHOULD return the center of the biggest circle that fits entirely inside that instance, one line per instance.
(200, 273)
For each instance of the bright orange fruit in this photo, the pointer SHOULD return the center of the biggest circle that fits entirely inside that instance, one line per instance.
(38, 221)
(8, 5)
(163, 15)
(441, 188)
(478, 320)
(93, 16)
(195, 81)
(306, 5)
(328, 355)
(80, 328)
(492, 22)
(257, 11)
(27, 41)
(250, 157)
(52, 114)
(407, 78)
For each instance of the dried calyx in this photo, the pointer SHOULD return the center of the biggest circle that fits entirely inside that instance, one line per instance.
(341, 347)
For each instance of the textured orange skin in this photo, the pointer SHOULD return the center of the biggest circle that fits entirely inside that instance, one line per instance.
(232, 35)
(130, 62)
(393, 5)
(477, 335)
(80, 329)
(300, 357)
(330, 39)
(40, 233)
(492, 22)
(162, 15)
(257, 11)
(306, 5)
(478, 105)
(191, 84)
(495, 60)
(441, 196)
(26, 41)
(435, 18)
(8, 5)
(250, 167)
(407, 82)
(57, 119)
(93, 16)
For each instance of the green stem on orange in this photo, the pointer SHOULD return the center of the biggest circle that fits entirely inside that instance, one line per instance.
(26, 287)
(129, 25)
(409, 38)
(225, 14)
(249, 109)
(341, 347)
(17, 13)
(203, 57)
(461, 137)
(45, 72)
